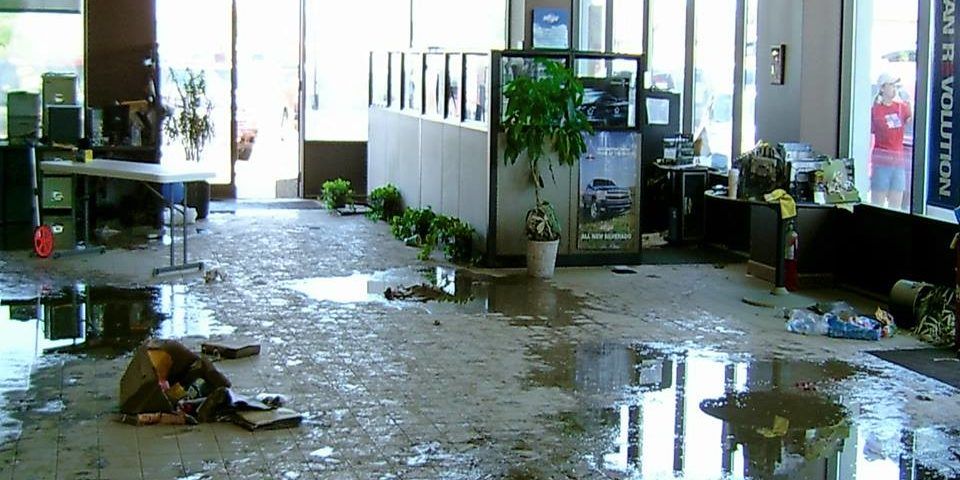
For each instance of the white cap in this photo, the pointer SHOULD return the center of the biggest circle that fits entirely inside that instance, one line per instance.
(886, 78)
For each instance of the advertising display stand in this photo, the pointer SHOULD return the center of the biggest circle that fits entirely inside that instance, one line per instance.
(598, 199)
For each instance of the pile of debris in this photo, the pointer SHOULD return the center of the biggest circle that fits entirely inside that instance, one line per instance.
(841, 320)
(166, 383)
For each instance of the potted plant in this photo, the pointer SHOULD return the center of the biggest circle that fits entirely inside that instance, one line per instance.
(191, 123)
(543, 119)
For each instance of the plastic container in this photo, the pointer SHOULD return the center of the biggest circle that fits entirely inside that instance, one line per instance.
(806, 322)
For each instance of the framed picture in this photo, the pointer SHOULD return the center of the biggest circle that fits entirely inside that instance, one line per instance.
(434, 84)
(396, 80)
(477, 71)
(413, 82)
(379, 79)
(454, 93)
(551, 28)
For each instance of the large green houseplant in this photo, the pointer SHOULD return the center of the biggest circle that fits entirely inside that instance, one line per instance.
(191, 122)
(543, 123)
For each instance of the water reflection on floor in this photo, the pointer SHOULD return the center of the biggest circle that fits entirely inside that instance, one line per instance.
(97, 321)
(648, 414)
(523, 300)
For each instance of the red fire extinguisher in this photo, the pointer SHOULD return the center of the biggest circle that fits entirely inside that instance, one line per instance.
(792, 246)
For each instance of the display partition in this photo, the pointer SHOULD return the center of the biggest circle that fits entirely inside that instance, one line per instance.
(431, 140)
(437, 138)
(598, 198)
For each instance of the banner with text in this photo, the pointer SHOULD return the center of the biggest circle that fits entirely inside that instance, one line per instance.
(609, 202)
(943, 172)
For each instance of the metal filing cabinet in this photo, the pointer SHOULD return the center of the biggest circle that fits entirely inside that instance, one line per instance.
(58, 202)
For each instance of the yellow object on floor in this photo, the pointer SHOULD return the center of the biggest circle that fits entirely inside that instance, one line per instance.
(788, 207)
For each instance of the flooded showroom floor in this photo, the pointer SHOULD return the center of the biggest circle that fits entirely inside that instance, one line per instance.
(661, 374)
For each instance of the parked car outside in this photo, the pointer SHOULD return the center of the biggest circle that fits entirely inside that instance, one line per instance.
(603, 197)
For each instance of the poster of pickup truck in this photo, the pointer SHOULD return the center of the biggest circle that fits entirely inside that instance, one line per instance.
(608, 200)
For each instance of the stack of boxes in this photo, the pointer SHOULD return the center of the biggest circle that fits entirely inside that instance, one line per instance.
(23, 117)
(62, 119)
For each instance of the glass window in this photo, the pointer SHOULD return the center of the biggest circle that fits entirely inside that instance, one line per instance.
(476, 71)
(748, 123)
(454, 72)
(32, 44)
(713, 62)
(666, 51)
(337, 62)
(433, 84)
(593, 25)
(212, 57)
(884, 88)
(459, 24)
(412, 80)
(628, 26)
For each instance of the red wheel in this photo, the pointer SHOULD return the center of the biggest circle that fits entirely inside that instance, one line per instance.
(43, 241)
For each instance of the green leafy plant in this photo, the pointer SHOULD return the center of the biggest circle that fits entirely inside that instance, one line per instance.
(413, 227)
(191, 119)
(385, 203)
(427, 230)
(543, 113)
(453, 236)
(336, 193)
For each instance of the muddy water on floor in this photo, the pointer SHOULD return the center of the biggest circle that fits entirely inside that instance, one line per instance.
(523, 300)
(644, 413)
(89, 320)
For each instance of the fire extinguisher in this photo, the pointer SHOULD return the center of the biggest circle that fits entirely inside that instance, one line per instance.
(792, 246)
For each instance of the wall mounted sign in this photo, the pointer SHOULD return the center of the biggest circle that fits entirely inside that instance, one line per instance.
(777, 63)
(942, 168)
(551, 28)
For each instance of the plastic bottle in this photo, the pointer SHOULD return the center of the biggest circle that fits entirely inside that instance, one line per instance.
(806, 322)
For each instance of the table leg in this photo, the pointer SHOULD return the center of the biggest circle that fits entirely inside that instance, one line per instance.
(173, 232)
(88, 246)
(184, 186)
(780, 281)
(183, 266)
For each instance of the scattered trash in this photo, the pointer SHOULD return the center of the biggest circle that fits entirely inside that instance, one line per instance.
(230, 350)
(436, 323)
(272, 399)
(165, 383)
(105, 233)
(159, 418)
(806, 322)
(178, 216)
(840, 320)
(417, 293)
(255, 420)
(924, 398)
(322, 452)
(214, 274)
(353, 209)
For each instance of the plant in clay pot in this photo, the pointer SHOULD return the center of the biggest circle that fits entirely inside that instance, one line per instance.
(543, 123)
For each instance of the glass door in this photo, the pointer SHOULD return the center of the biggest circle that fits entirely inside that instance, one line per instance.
(268, 98)
(197, 36)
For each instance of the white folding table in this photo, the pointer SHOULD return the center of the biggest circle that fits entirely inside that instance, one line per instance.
(146, 173)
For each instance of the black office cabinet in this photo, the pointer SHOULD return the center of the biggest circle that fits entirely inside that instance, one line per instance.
(16, 198)
(686, 204)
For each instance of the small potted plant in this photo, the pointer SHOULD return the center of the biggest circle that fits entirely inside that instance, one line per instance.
(543, 119)
(191, 123)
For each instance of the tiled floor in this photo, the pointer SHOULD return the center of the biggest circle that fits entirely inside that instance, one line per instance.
(591, 375)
